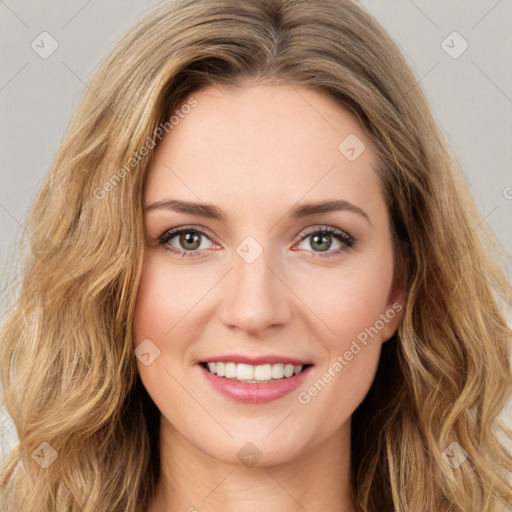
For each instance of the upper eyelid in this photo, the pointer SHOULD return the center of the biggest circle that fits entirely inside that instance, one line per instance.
(326, 227)
(174, 231)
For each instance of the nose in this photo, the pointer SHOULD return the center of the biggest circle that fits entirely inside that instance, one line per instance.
(255, 296)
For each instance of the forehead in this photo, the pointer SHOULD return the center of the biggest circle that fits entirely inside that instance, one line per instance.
(267, 143)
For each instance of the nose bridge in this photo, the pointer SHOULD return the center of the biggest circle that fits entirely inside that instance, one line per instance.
(253, 297)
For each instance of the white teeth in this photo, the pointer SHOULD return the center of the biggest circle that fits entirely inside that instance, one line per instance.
(278, 371)
(263, 372)
(288, 370)
(230, 370)
(249, 373)
(243, 371)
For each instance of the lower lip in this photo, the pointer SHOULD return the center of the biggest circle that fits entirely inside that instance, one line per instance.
(255, 393)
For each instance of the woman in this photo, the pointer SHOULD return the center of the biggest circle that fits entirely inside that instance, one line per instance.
(187, 336)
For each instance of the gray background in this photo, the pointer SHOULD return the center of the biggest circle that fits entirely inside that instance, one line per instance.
(471, 96)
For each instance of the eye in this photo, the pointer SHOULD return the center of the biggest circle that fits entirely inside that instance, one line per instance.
(190, 241)
(321, 239)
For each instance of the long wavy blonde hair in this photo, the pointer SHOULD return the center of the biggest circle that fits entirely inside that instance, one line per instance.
(66, 357)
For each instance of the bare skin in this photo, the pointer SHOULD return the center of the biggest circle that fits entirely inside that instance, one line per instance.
(256, 153)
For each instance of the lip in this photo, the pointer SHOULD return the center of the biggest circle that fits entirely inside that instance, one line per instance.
(256, 360)
(253, 393)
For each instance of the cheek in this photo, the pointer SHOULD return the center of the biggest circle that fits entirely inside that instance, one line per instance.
(164, 298)
(351, 305)
(153, 301)
(350, 300)
(159, 306)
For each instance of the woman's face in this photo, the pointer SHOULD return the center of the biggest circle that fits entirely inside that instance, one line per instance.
(254, 279)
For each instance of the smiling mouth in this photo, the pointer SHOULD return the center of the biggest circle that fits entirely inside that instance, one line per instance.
(249, 373)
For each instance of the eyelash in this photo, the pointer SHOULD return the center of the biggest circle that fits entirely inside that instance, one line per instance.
(338, 234)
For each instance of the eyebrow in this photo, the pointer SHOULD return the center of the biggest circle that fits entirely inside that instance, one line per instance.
(212, 212)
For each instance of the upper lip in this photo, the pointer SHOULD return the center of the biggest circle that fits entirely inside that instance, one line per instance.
(255, 360)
